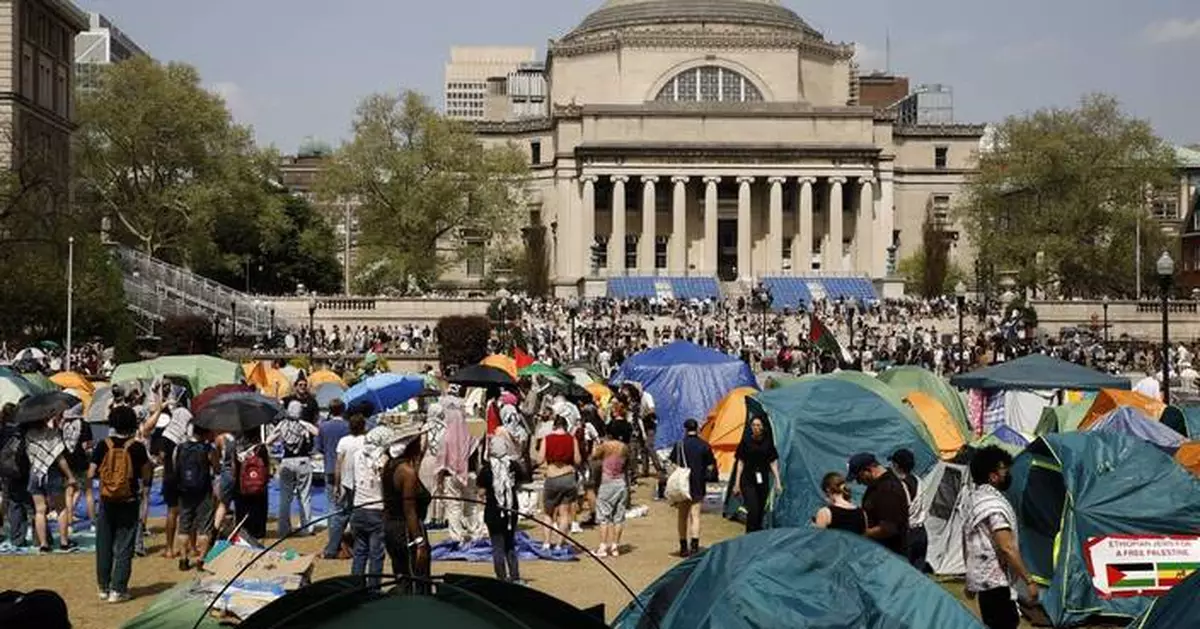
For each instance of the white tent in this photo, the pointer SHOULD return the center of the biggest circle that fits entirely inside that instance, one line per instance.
(944, 493)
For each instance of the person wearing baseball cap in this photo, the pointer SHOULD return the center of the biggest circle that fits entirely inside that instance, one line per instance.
(903, 463)
(885, 502)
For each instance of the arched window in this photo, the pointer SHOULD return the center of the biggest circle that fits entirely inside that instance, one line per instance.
(709, 84)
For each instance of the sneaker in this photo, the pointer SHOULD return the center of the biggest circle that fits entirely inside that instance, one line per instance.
(71, 545)
(184, 564)
(545, 547)
(104, 595)
(118, 597)
(601, 552)
(615, 551)
(575, 528)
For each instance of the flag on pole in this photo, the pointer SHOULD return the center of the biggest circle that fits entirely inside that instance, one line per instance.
(522, 359)
(823, 339)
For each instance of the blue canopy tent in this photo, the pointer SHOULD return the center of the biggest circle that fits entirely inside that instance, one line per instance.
(1068, 488)
(686, 381)
(1038, 372)
(820, 421)
(799, 579)
(1130, 421)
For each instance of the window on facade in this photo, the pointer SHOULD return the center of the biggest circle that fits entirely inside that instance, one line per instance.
(709, 84)
(61, 102)
(600, 259)
(27, 71)
(631, 241)
(660, 252)
(535, 152)
(45, 88)
(941, 210)
(940, 157)
(474, 259)
(1196, 218)
(1165, 207)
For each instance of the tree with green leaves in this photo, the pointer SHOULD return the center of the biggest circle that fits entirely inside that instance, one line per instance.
(422, 183)
(161, 157)
(1060, 196)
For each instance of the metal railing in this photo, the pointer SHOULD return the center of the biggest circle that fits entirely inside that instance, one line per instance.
(155, 290)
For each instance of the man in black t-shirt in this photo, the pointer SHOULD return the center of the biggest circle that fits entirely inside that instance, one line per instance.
(117, 522)
(885, 503)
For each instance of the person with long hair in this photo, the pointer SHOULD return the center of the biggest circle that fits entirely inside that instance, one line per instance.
(405, 505)
(49, 478)
(757, 465)
(559, 451)
(840, 513)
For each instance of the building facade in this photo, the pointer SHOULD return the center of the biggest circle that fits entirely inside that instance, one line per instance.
(36, 91)
(100, 45)
(723, 138)
(468, 71)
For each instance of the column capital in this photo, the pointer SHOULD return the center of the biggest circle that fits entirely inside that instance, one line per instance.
(806, 180)
(680, 179)
(588, 179)
(649, 178)
(866, 181)
(712, 179)
(619, 179)
(838, 179)
(745, 179)
(777, 180)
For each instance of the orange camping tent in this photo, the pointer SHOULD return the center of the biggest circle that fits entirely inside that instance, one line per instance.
(503, 363)
(1188, 455)
(270, 381)
(724, 427)
(318, 378)
(1109, 400)
(601, 393)
(947, 436)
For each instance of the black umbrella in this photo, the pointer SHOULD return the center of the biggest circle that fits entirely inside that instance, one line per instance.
(482, 376)
(237, 412)
(43, 406)
(572, 392)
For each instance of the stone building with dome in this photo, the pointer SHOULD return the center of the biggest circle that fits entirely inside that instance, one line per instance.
(724, 139)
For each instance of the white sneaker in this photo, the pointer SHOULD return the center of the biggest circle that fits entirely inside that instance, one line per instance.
(601, 552)
(118, 597)
(575, 528)
(546, 547)
(614, 551)
(104, 595)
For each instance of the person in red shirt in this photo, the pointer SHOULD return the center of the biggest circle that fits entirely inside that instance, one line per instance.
(559, 452)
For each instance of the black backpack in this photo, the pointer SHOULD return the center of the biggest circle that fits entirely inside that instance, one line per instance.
(194, 472)
(12, 453)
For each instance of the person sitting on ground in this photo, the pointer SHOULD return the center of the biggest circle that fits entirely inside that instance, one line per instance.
(840, 513)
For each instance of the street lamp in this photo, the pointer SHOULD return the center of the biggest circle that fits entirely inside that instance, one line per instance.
(232, 322)
(572, 313)
(1166, 272)
(850, 312)
(70, 296)
(502, 296)
(312, 334)
(762, 297)
(960, 295)
(1105, 306)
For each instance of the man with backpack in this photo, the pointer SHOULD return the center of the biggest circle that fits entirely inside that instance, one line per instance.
(196, 466)
(123, 467)
(14, 478)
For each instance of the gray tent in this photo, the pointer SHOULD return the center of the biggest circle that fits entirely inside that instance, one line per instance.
(944, 493)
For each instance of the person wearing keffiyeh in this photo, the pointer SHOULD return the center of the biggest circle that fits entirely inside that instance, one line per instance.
(77, 437)
(498, 480)
(48, 469)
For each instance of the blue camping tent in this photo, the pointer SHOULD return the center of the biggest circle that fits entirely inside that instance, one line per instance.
(686, 381)
(1070, 487)
(795, 578)
(820, 421)
(1127, 420)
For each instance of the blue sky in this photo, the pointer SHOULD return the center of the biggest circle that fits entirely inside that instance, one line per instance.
(297, 68)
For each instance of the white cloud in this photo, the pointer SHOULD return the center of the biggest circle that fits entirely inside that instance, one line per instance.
(236, 100)
(1172, 31)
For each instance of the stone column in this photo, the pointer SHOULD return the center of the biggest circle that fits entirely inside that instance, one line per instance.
(646, 241)
(833, 257)
(677, 245)
(616, 242)
(710, 223)
(588, 222)
(744, 243)
(864, 225)
(887, 222)
(802, 244)
(775, 226)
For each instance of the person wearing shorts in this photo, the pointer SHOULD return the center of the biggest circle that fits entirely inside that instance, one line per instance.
(559, 451)
(612, 495)
(196, 505)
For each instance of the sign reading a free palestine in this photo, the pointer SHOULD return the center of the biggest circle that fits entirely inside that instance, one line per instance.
(1140, 565)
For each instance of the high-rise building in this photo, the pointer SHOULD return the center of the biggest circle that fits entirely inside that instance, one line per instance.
(468, 71)
(36, 96)
(103, 43)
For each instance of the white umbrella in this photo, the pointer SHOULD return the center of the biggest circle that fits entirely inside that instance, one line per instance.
(29, 353)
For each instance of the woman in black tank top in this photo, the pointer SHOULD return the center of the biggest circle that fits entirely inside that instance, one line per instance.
(405, 505)
(840, 513)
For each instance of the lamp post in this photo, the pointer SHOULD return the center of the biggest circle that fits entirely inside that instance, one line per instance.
(1105, 306)
(232, 321)
(312, 333)
(502, 296)
(258, 306)
(960, 294)
(271, 324)
(70, 296)
(572, 313)
(1166, 272)
(853, 309)
(762, 297)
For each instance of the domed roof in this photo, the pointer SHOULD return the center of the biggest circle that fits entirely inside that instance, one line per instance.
(620, 14)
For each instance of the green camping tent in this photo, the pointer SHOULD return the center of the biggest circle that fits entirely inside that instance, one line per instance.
(907, 379)
(796, 578)
(200, 371)
(1069, 488)
(1185, 420)
(173, 609)
(1179, 608)
(1064, 418)
(820, 421)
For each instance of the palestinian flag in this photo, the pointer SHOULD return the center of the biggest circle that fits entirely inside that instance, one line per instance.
(522, 358)
(823, 339)
(1132, 576)
(1172, 574)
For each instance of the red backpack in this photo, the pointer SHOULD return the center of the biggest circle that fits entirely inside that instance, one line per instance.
(252, 480)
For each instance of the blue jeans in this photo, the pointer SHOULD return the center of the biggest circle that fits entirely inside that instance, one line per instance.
(368, 543)
(295, 481)
(338, 519)
(19, 506)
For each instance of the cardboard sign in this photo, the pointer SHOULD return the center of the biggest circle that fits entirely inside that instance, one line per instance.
(1140, 565)
(273, 565)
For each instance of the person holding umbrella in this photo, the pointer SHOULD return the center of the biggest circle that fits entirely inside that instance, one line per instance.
(49, 472)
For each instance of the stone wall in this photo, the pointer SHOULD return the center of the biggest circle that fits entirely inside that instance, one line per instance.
(357, 311)
(1140, 320)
